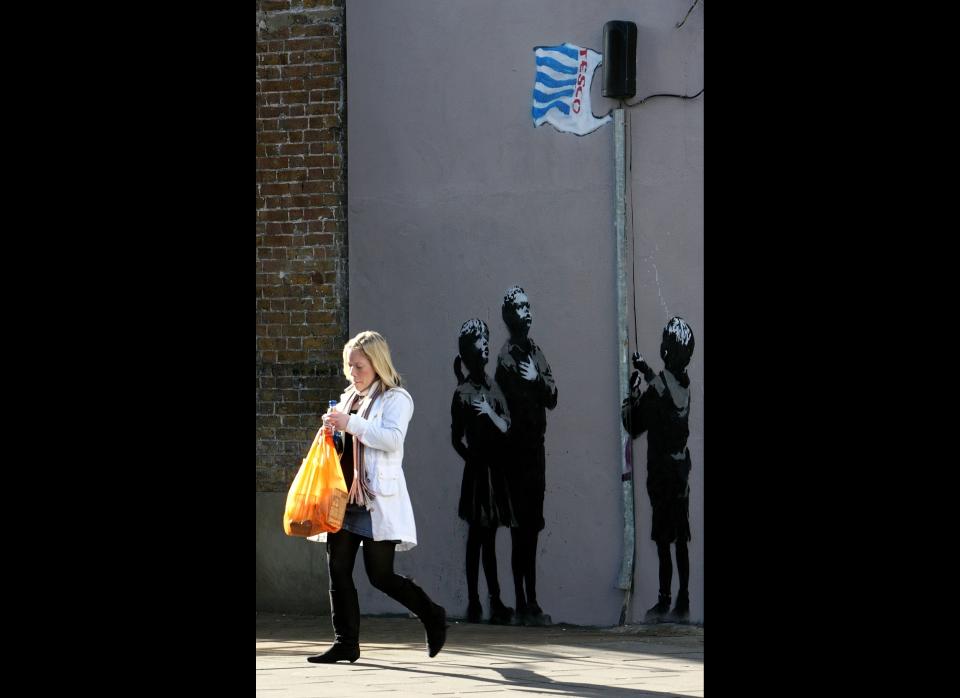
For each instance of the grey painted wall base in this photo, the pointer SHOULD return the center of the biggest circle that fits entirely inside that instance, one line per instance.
(291, 572)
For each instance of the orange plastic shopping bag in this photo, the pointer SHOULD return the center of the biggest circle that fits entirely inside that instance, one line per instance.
(317, 499)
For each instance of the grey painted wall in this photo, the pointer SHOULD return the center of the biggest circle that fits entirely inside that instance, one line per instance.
(291, 573)
(454, 196)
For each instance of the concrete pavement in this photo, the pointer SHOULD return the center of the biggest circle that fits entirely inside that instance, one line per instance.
(641, 660)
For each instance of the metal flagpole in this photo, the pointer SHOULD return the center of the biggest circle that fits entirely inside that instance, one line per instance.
(625, 580)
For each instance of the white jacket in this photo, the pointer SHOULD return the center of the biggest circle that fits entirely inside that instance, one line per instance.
(391, 511)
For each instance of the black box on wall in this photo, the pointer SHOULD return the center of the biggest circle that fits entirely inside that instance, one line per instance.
(619, 59)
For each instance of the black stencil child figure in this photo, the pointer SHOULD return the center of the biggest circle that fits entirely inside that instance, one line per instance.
(527, 383)
(663, 411)
(479, 414)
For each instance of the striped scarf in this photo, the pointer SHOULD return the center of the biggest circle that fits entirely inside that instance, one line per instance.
(359, 491)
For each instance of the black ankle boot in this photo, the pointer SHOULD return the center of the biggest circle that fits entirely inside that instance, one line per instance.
(337, 653)
(345, 618)
(659, 612)
(436, 627)
(433, 617)
(499, 614)
(681, 611)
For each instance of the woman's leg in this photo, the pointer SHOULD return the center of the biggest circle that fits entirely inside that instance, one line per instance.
(342, 548)
(378, 559)
(344, 605)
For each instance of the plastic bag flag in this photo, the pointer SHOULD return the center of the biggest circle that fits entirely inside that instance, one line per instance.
(561, 89)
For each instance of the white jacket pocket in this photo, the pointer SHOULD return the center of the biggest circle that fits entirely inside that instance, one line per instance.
(388, 480)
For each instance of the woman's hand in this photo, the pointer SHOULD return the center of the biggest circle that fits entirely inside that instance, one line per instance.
(335, 420)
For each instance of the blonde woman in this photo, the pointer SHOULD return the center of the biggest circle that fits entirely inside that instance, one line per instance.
(373, 413)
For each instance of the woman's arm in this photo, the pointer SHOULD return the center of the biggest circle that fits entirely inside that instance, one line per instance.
(389, 434)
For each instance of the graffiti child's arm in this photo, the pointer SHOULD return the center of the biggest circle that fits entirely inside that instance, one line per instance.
(546, 380)
(528, 369)
(636, 409)
(458, 427)
(481, 405)
(642, 367)
(500, 403)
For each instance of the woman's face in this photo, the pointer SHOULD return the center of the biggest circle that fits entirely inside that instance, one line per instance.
(361, 371)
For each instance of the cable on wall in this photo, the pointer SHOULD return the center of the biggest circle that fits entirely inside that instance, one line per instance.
(680, 23)
(663, 94)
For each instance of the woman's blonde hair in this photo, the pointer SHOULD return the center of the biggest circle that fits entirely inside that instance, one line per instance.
(375, 348)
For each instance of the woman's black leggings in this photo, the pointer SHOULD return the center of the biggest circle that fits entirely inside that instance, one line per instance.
(482, 539)
(342, 548)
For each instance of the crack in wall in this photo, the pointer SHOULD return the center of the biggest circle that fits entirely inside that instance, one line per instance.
(656, 273)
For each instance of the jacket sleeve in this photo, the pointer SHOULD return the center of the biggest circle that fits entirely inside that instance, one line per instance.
(389, 434)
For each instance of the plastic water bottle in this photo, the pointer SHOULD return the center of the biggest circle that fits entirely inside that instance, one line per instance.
(337, 436)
